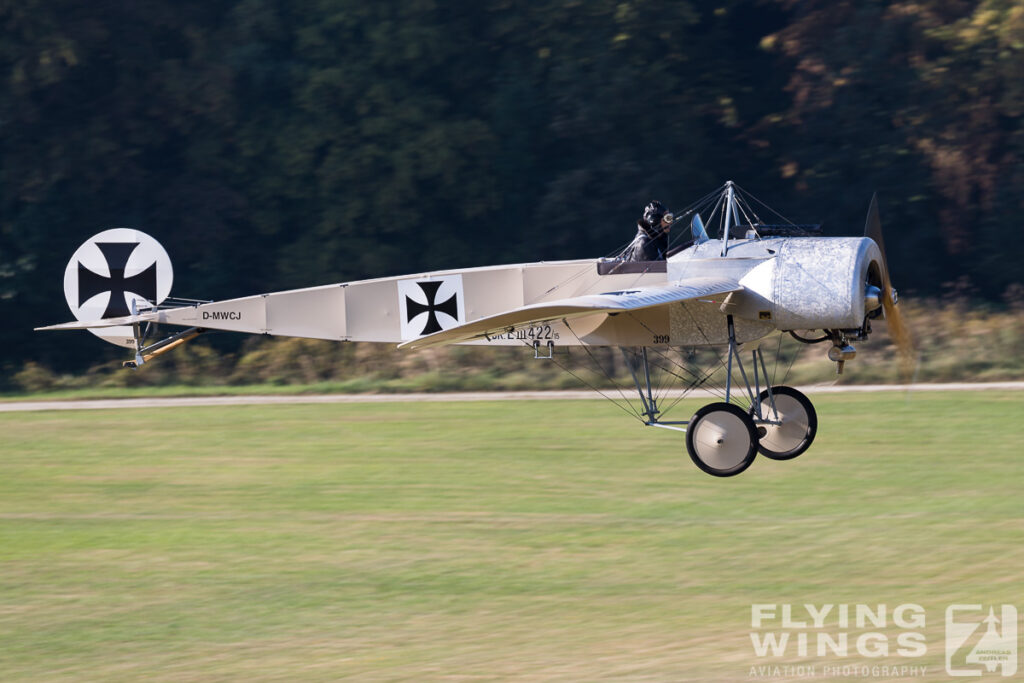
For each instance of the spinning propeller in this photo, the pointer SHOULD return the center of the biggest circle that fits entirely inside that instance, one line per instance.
(899, 332)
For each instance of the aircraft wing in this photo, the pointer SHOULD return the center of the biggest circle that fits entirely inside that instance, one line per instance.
(608, 302)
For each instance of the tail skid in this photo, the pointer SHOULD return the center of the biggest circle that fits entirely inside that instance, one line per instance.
(141, 325)
(144, 354)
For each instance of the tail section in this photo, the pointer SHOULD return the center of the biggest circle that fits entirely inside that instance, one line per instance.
(114, 274)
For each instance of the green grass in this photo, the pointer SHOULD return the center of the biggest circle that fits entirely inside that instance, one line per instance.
(525, 540)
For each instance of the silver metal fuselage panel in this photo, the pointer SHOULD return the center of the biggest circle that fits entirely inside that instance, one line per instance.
(789, 283)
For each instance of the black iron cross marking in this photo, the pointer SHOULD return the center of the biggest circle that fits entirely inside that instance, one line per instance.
(116, 253)
(414, 308)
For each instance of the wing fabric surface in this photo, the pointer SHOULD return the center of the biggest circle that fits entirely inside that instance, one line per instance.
(588, 304)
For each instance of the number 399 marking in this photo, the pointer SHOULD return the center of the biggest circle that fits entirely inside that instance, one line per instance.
(661, 339)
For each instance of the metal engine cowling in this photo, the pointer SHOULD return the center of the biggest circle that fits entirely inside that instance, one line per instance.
(820, 282)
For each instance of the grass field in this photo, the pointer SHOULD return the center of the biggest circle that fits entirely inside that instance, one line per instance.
(484, 541)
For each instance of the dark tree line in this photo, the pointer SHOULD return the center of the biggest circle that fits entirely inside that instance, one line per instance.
(278, 143)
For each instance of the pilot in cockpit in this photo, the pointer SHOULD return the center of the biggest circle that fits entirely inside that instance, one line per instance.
(651, 241)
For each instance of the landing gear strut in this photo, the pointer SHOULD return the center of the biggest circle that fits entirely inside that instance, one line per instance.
(723, 439)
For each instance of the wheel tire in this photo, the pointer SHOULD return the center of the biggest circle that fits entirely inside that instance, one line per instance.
(798, 428)
(721, 439)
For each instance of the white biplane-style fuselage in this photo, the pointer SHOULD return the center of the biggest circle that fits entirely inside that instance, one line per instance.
(731, 291)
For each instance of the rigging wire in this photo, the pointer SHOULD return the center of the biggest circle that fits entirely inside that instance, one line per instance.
(748, 194)
(746, 217)
(690, 384)
(712, 199)
(629, 411)
(586, 347)
(665, 382)
(745, 208)
(791, 361)
(699, 380)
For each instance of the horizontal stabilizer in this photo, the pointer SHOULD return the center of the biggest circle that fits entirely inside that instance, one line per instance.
(609, 302)
(103, 322)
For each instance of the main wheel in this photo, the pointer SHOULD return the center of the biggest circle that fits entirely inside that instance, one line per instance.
(798, 423)
(721, 439)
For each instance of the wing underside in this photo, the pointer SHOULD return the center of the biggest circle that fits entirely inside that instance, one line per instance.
(635, 299)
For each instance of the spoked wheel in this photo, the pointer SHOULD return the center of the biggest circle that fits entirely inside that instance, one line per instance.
(798, 423)
(721, 439)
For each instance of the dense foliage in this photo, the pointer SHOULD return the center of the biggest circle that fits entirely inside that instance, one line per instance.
(277, 143)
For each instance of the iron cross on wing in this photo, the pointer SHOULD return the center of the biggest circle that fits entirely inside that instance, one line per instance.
(429, 306)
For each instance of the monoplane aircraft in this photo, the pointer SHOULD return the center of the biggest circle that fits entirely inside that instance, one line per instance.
(751, 283)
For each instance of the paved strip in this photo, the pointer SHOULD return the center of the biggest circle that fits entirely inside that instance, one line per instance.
(195, 401)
